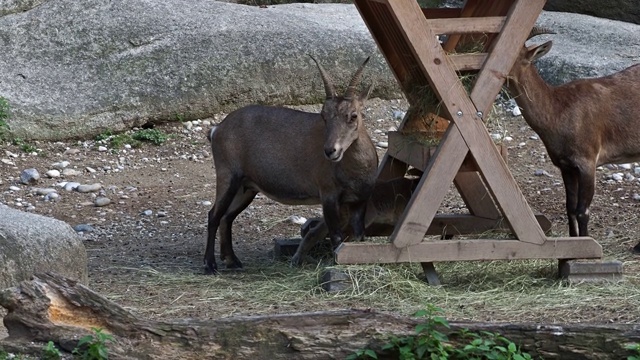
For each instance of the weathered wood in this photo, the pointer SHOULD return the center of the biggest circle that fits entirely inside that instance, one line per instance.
(489, 24)
(474, 249)
(36, 307)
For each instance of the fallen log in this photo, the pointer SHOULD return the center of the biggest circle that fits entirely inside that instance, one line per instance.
(53, 308)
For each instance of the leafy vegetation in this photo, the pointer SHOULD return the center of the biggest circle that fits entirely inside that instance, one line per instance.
(154, 136)
(635, 350)
(24, 146)
(135, 139)
(51, 352)
(429, 342)
(4, 127)
(94, 347)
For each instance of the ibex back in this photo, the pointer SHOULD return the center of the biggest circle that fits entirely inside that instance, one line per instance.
(583, 124)
(295, 158)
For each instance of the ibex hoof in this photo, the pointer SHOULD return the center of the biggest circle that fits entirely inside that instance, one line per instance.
(233, 263)
(211, 269)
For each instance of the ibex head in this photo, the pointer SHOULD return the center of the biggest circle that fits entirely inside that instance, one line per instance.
(342, 115)
(529, 54)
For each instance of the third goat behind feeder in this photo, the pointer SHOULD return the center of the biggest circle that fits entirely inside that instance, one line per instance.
(583, 124)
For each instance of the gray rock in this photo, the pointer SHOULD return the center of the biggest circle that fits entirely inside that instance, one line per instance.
(43, 191)
(29, 176)
(60, 165)
(585, 46)
(31, 243)
(623, 10)
(143, 60)
(102, 201)
(85, 228)
(53, 173)
(70, 172)
(52, 196)
(71, 185)
(147, 213)
(89, 188)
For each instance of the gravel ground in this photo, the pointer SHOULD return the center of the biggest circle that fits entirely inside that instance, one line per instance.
(151, 206)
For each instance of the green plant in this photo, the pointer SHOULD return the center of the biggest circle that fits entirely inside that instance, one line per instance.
(4, 115)
(94, 347)
(635, 350)
(154, 136)
(429, 342)
(3, 354)
(28, 148)
(105, 135)
(51, 352)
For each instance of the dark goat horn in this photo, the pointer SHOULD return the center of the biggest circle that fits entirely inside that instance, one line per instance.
(539, 30)
(328, 84)
(351, 89)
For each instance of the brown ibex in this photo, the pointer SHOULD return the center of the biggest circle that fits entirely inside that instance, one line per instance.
(295, 158)
(583, 124)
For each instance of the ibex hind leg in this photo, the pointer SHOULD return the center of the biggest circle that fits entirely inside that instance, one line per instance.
(570, 179)
(225, 193)
(240, 202)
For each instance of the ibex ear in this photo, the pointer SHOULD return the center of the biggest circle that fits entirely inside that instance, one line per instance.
(364, 95)
(538, 51)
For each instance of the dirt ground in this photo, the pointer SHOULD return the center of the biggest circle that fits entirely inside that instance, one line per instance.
(127, 247)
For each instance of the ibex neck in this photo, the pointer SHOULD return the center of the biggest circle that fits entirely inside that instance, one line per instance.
(534, 96)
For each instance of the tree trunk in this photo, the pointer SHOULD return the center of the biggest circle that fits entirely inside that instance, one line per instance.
(61, 310)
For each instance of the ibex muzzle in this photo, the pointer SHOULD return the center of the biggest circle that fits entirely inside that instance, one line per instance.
(295, 158)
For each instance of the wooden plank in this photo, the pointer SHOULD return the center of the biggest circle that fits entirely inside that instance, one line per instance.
(441, 13)
(475, 195)
(409, 149)
(455, 101)
(504, 52)
(467, 62)
(490, 24)
(431, 190)
(458, 224)
(476, 249)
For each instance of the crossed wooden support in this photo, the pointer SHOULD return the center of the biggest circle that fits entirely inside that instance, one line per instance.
(466, 154)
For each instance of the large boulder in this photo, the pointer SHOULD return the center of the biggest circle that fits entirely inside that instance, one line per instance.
(623, 10)
(75, 68)
(31, 243)
(585, 46)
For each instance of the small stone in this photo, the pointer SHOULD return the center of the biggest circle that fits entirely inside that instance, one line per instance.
(540, 172)
(29, 176)
(10, 154)
(102, 148)
(636, 170)
(516, 111)
(86, 203)
(392, 128)
(398, 115)
(7, 162)
(14, 188)
(89, 188)
(508, 138)
(161, 214)
(611, 166)
(625, 166)
(70, 172)
(102, 201)
(53, 173)
(83, 228)
(147, 213)
(206, 203)
(52, 196)
(617, 176)
(629, 177)
(60, 165)
(90, 169)
(496, 136)
(43, 191)
(127, 146)
(72, 151)
(534, 137)
(636, 197)
(188, 125)
(300, 220)
(383, 144)
(71, 185)
(522, 144)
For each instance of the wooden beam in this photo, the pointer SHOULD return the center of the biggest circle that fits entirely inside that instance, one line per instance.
(502, 55)
(476, 249)
(490, 24)
(467, 62)
(475, 195)
(462, 111)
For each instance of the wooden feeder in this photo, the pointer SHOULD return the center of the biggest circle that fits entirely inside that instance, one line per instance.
(431, 75)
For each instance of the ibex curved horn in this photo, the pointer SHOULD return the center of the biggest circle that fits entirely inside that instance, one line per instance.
(351, 89)
(539, 30)
(328, 84)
